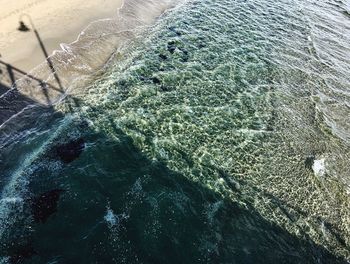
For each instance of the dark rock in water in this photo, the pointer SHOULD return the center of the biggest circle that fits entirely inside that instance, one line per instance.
(173, 29)
(155, 80)
(185, 59)
(123, 83)
(71, 150)
(201, 45)
(22, 254)
(185, 52)
(171, 46)
(45, 205)
(163, 57)
(185, 56)
(201, 42)
(309, 161)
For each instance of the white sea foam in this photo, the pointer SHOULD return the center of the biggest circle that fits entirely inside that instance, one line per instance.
(319, 167)
(11, 200)
(111, 218)
(212, 210)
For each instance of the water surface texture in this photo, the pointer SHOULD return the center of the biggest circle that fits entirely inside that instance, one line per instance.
(218, 135)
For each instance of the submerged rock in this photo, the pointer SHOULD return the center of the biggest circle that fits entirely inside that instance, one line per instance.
(201, 45)
(163, 57)
(45, 205)
(171, 46)
(155, 80)
(70, 151)
(173, 29)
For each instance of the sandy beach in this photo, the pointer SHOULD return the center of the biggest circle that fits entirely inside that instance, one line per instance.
(57, 22)
(32, 30)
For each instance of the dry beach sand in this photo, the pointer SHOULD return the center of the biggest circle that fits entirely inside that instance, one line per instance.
(57, 21)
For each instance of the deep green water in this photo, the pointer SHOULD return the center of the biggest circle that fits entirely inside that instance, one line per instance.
(200, 136)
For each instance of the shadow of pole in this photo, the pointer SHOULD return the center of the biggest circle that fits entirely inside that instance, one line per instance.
(11, 75)
(24, 28)
(49, 62)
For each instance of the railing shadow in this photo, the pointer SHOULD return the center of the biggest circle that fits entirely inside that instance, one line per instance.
(12, 99)
(21, 110)
(9, 75)
(12, 102)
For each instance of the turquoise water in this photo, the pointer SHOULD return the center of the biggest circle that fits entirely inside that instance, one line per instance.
(198, 142)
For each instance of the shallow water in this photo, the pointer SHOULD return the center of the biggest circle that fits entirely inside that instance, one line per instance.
(204, 136)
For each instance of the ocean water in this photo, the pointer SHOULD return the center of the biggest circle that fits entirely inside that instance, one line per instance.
(216, 132)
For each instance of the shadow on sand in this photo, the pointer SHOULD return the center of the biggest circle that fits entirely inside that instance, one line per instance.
(12, 102)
